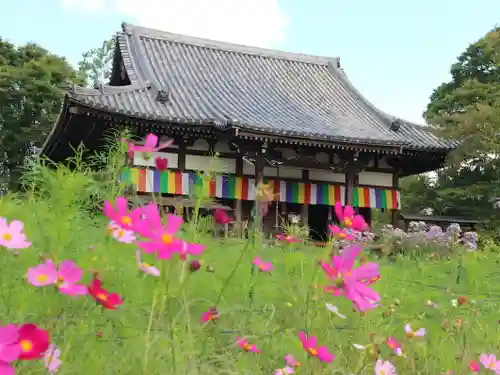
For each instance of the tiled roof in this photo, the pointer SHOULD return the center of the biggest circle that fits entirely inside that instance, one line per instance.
(251, 88)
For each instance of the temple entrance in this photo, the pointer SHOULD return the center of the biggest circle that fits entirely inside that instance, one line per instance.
(318, 222)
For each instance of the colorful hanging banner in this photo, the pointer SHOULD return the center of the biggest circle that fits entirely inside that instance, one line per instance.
(243, 188)
(376, 197)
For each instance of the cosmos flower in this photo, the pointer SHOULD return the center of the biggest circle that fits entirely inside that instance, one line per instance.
(107, 300)
(65, 278)
(349, 219)
(310, 346)
(161, 163)
(474, 366)
(287, 238)
(120, 234)
(490, 362)
(209, 316)
(145, 267)
(121, 215)
(411, 333)
(150, 145)
(352, 282)
(33, 342)
(384, 368)
(12, 234)
(51, 359)
(340, 233)
(246, 346)
(187, 249)
(335, 310)
(395, 346)
(263, 266)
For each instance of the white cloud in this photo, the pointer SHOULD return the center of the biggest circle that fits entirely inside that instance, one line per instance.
(259, 23)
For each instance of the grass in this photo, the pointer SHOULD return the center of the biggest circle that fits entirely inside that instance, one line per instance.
(158, 331)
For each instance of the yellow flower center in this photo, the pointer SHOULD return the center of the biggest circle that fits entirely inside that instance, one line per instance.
(492, 365)
(167, 238)
(381, 372)
(26, 345)
(312, 351)
(126, 220)
(348, 221)
(145, 265)
(102, 296)
(7, 237)
(247, 347)
(42, 277)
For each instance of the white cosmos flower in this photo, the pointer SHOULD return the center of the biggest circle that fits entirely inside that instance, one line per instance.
(359, 347)
(335, 310)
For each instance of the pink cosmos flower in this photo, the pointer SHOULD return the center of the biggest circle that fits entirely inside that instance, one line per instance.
(340, 233)
(411, 333)
(120, 234)
(474, 366)
(352, 282)
(245, 345)
(12, 235)
(160, 238)
(209, 316)
(287, 238)
(51, 359)
(291, 361)
(144, 267)
(188, 249)
(150, 145)
(394, 345)
(263, 266)
(124, 218)
(66, 278)
(10, 350)
(284, 371)
(349, 219)
(384, 368)
(447, 372)
(490, 362)
(310, 346)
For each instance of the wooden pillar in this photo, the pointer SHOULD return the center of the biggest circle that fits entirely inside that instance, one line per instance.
(237, 202)
(181, 156)
(350, 182)
(259, 179)
(395, 184)
(304, 215)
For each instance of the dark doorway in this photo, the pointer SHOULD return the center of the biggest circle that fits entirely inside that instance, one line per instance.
(366, 212)
(318, 222)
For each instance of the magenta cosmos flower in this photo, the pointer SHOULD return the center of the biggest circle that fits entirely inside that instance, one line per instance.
(121, 215)
(340, 233)
(246, 346)
(159, 238)
(12, 235)
(352, 282)
(189, 249)
(394, 345)
(10, 350)
(349, 219)
(287, 238)
(150, 145)
(65, 278)
(263, 266)
(310, 345)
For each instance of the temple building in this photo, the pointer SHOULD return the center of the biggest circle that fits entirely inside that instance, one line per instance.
(293, 120)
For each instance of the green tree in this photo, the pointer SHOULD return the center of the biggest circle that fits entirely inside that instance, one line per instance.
(95, 65)
(32, 83)
(467, 108)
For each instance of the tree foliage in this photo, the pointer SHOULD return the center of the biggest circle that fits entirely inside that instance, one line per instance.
(468, 107)
(32, 84)
(95, 65)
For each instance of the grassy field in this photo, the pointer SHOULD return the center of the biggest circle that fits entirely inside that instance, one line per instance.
(157, 330)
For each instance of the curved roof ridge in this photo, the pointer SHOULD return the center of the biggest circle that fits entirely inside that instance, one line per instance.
(141, 31)
(104, 89)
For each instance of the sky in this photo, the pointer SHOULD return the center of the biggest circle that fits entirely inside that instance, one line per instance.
(395, 52)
